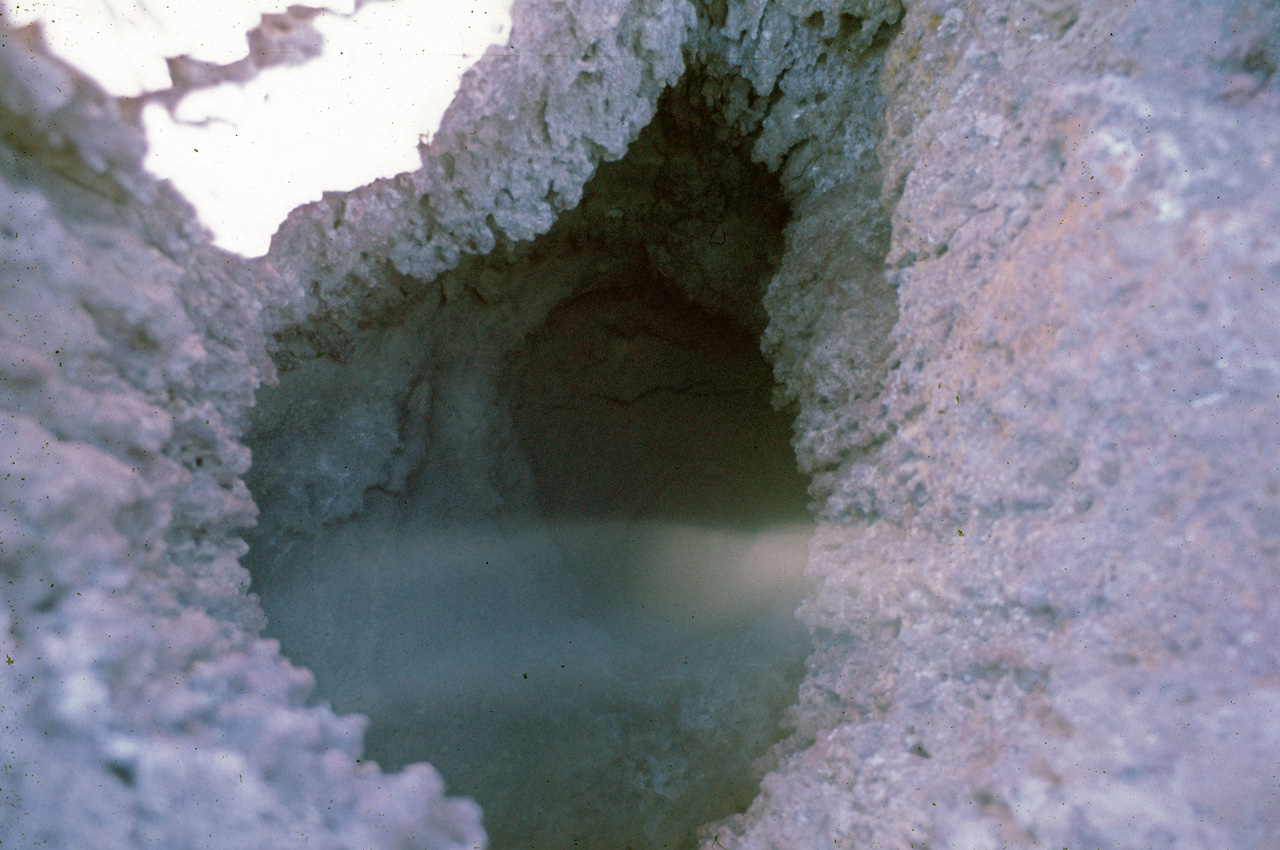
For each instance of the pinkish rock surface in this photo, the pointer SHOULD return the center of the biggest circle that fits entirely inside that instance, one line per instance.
(1015, 268)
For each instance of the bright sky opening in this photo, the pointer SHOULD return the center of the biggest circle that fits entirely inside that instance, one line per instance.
(246, 155)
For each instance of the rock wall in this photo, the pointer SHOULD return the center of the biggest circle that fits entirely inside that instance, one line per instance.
(1023, 314)
(1048, 581)
(140, 704)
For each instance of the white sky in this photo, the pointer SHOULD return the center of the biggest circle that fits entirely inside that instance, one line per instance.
(247, 155)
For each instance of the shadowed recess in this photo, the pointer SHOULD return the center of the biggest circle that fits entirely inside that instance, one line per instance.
(576, 599)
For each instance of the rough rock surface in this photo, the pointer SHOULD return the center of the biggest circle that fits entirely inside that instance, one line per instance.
(141, 707)
(1048, 580)
(1024, 312)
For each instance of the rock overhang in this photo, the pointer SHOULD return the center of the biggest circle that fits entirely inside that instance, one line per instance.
(988, 411)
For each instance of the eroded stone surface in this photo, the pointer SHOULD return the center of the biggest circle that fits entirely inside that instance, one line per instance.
(1045, 599)
(1025, 310)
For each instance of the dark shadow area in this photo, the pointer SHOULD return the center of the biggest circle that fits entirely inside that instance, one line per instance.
(660, 466)
(576, 597)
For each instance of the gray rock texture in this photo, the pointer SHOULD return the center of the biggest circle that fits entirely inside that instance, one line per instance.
(1015, 267)
(1047, 603)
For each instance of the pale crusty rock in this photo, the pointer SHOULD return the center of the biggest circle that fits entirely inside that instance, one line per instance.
(573, 88)
(1047, 604)
(1024, 309)
(141, 706)
(141, 703)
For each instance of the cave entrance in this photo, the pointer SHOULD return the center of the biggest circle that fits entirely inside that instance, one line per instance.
(629, 700)
(576, 597)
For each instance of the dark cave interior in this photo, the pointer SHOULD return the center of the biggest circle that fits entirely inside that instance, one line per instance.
(576, 597)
